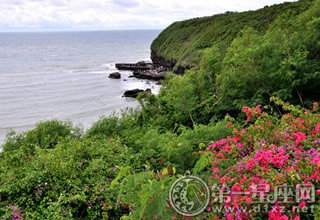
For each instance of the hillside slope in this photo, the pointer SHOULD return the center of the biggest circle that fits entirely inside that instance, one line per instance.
(247, 115)
(181, 45)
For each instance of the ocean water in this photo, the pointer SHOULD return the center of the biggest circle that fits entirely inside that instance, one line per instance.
(64, 76)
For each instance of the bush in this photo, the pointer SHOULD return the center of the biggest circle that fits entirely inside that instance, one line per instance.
(267, 150)
(70, 181)
(45, 135)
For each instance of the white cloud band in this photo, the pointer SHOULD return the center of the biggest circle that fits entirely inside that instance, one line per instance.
(112, 14)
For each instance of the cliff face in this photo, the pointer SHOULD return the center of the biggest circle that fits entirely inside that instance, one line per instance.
(168, 64)
(156, 59)
(182, 45)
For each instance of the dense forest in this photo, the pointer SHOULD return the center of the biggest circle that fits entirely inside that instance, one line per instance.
(243, 112)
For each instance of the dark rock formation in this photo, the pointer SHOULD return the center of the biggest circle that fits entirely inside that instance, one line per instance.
(167, 64)
(135, 92)
(132, 93)
(115, 75)
(134, 66)
(149, 74)
(160, 61)
(181, 69)
(143, 70)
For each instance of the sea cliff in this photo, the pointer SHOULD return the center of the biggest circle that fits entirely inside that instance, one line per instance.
(181, 46)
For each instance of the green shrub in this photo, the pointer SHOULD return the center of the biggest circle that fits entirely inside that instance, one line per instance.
(45, 135)
(72, 180)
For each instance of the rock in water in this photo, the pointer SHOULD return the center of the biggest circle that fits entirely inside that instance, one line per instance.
(132, 93)
(134, 66)
(135, 92)
(115, 75)
(149, 74)
(143, 70)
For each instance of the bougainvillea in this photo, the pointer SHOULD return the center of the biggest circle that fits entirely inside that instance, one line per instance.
(270, 154)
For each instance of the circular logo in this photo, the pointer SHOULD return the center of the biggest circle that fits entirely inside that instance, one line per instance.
(189, 196)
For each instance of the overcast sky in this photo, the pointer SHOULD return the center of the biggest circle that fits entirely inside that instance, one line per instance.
(42, 15)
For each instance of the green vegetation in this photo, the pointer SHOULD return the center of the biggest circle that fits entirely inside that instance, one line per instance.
(115, 167)
(123, 167)
(185, 42)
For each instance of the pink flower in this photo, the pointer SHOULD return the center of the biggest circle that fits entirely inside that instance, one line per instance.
(250, 164)
(215, 170)
(302, 204)
(248, 200)
(315, 106)
(275, 214)
(316, 130)
(299, 136)
(265, 154)
(230, 217)
(217, 144)
(236, 139)
(251, 112)
(16, 213)
(315, 160)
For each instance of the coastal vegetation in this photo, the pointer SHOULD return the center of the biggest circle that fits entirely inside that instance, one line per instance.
(244, 112)
(183, 44)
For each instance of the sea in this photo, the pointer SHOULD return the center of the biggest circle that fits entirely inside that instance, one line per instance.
(64, 76)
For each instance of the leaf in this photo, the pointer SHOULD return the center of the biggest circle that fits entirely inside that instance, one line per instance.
(124, 171)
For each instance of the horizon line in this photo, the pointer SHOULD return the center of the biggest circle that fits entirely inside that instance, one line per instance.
(80, 30)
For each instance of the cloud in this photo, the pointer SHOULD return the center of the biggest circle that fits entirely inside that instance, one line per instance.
(126, 3)
(31, 15)
(58, 3)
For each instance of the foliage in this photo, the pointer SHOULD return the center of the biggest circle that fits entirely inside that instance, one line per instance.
(268, 150)
(72, 180)
(46, 135)
(123, 167)
(184, 42)
(148, 194)
(280, 63)
(281, 60)
(85, 176)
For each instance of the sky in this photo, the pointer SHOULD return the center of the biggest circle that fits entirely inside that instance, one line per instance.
(55, 15)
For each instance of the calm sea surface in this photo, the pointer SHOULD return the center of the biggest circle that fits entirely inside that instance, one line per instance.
(64, 76)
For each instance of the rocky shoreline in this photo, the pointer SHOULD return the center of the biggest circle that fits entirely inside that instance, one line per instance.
(140, 70)
(135, 92)
(144, 70)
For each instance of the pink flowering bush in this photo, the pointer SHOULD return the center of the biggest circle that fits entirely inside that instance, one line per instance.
(269, 152)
